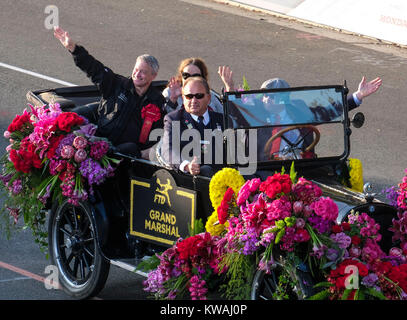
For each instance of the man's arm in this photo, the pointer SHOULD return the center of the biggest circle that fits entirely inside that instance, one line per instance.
(365, 89)
(100, 75)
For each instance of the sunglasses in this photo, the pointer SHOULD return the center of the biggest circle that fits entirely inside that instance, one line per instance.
(190, 96)
(186, 75)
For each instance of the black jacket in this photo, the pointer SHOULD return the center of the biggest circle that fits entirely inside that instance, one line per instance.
(118, 115)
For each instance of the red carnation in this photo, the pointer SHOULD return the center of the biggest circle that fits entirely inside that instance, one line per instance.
(345, 226)
(19, 121)
(67, 120)
(356, 240)
(276, 184)
(336, 228)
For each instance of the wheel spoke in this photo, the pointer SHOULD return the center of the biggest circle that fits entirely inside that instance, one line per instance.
(75, 267)
(66, 232)
(69, 259)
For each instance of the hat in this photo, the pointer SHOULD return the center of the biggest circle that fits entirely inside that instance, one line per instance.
(275, 83)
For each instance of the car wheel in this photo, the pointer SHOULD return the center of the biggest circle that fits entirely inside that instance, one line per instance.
(73, 248)
(265, 286)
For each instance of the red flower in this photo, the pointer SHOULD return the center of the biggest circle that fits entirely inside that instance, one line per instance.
(356, 240)
(345, 226)
(25, 158)
(19, 121)
(66, 120)
(276, 184)
(224, 206)
(54, 143)
(336, 228)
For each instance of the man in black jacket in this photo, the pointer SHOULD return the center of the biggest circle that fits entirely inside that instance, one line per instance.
(129, 107)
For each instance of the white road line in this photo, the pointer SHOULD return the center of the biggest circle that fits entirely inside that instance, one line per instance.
(35, 74)
(14, 279)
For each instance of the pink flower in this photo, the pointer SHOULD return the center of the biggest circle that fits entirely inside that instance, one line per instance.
(67, 152)
(80, 155)
(300, 223)
(355, 251)
(326, 208)
(80, 142)
(297, 207)
(7, 134)
(279, 209)
(306, 190)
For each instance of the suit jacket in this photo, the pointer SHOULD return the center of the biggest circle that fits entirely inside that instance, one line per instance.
(174, 150)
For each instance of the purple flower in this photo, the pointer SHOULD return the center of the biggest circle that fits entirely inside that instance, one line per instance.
(341, 239)
(370, 280)
(66, 141)
(87, 130)
(17, 186)
(332, 254)
(320, 224)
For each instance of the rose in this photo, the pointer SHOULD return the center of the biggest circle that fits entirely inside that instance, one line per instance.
(7, 134)
(80, 155)
(67, 120)
(67, 152)
(80, 142)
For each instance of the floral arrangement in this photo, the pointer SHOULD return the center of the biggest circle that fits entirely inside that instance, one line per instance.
(287, 221)
(52, 155)
(185, 268)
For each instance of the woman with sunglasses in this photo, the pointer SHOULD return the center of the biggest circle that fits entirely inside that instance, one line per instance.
(192, 67)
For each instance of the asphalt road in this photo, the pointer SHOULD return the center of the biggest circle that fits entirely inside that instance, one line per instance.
(255, 45)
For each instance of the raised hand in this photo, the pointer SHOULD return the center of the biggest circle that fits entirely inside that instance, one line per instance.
(64, 38)
(226, 74)
(367, 88)
(175, 89)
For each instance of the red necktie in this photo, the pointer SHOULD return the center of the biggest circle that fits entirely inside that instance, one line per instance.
(275, 147)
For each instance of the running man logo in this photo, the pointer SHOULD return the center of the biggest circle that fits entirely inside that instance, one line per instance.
(162, 192)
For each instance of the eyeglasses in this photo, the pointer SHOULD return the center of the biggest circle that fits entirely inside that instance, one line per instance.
(186, 75)
(190, 96)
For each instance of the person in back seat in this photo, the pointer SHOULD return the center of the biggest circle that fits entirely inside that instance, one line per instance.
(130, 107)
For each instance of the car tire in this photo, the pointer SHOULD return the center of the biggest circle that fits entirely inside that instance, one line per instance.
(74, 249)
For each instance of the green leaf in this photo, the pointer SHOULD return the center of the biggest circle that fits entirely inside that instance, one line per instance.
(322, 284)
(246, 86)
(320, 295)
(374, 293)
(293, 173)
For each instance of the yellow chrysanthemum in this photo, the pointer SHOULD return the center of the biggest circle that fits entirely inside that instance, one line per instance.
(215, 230)
(356, 174)
(221, 181)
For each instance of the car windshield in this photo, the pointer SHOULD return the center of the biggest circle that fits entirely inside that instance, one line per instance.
(290, 124)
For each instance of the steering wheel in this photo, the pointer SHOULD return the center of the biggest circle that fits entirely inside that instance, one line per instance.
(293, 146)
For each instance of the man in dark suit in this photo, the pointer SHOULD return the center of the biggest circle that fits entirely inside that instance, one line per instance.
(193, 135)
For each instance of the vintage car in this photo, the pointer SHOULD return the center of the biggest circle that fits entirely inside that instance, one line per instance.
(147, 206)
